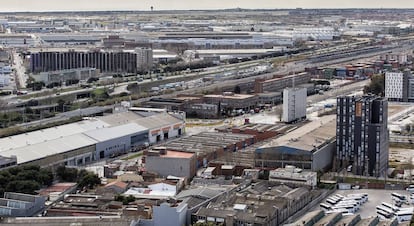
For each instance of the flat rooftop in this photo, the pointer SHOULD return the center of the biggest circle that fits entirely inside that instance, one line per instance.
(205, 142)
(234, 96)
(177, 154)
(315, 133)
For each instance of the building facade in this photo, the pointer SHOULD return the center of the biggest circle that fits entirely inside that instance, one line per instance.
(106, 61)
(362, 135)
(294, 104)
(398, 86)
(279, 83)
(394, 86)
(20, 205)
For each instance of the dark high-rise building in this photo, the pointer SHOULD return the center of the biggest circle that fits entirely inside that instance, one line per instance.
(362, 134)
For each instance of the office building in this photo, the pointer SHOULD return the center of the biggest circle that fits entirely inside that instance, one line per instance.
(362, 134)
(396, 85)
(294, 104)
(127, 61)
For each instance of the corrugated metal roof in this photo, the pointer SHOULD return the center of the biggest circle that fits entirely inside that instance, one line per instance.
(157, 121)
(110, 133)
(120, 118)
(45, 135)
(40, 150)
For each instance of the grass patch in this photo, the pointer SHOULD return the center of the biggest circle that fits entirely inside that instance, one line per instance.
(133, 156)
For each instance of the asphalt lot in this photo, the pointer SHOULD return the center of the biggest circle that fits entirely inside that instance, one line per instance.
(375, 197)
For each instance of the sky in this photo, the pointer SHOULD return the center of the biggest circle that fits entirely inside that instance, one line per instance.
(91, 5)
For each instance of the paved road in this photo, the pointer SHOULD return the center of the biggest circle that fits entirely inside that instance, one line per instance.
(20, 71)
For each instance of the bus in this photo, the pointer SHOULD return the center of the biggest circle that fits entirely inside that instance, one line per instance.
(336, 199)
(362, 196)
(325, 206)
(356, 205)
(385, 209)
(331, 201)
(349, 208)
(398, 197)
(338, 196)
(389, 206)
(354, 199)
(384, 214)
(343, 211)
(410, 188)
(404, 215)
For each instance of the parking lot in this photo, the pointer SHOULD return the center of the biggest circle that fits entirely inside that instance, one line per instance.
(375, 197)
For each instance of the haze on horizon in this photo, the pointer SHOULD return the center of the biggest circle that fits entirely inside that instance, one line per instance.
(101, 5)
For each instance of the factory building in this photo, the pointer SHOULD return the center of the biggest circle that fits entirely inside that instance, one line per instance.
(232, 101)
(210, 145)
(106, 61)
(278, 84)
(92, 139)
(311, 146)
(294, 104)
(362, 135)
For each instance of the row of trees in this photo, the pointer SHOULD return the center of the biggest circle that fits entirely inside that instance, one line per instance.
(29, 179)
(24, 179)
(84, 178)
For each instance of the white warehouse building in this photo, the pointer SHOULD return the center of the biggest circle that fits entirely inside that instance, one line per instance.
(91, 139)
(294, 104)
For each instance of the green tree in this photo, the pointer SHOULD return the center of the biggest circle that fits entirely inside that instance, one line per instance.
(377, 85)
(67, 174)
(23, 186)
(89, 180)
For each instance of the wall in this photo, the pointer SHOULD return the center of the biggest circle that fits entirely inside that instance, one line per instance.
(323, 158)
(180, 167)
(166, 215)
(172, 130)
(60, 158)
(114, 146)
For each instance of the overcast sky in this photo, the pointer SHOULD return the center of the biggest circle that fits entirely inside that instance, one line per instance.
(58, 5)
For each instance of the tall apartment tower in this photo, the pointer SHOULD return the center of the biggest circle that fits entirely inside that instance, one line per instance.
(362, 134)
(294, 104)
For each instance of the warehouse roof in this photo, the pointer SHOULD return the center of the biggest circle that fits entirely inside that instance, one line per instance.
(309, 136)
(44, 135)
(157, 121)
(120, 118)
(109, 133)
(233, 96)
(41, 150)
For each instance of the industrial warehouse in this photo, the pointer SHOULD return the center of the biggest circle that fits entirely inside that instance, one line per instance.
(91, 139)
